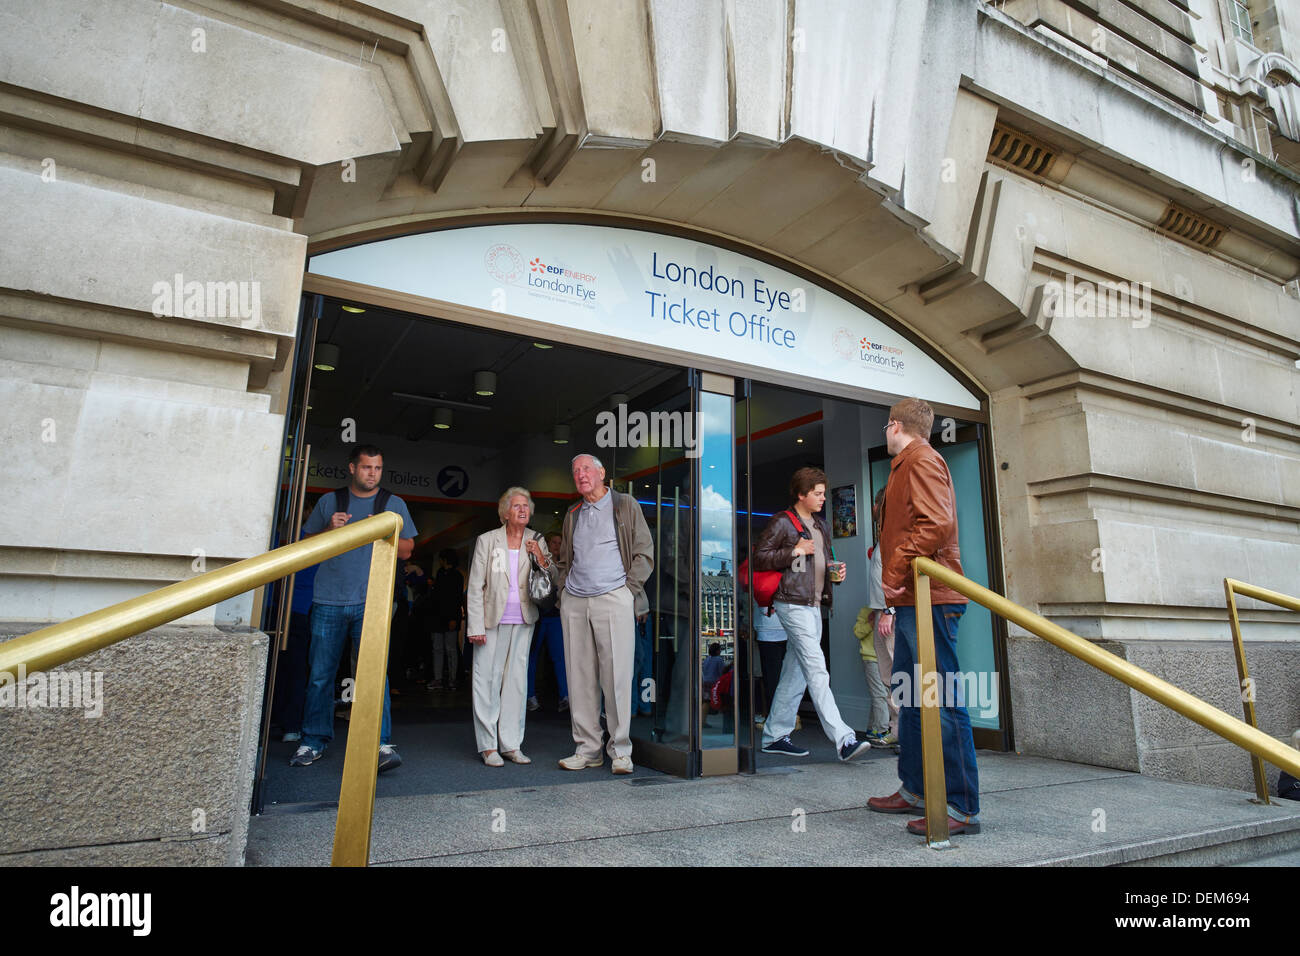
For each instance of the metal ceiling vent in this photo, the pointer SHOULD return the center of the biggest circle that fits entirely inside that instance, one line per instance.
(1189, 227)
(1010, 147)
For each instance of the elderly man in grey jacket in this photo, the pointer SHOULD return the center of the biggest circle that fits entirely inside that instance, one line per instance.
(605, 557)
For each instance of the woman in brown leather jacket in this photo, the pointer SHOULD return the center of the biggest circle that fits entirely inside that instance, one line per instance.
(798, 543)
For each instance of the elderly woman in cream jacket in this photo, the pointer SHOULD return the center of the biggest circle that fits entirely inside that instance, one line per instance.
(500, 621)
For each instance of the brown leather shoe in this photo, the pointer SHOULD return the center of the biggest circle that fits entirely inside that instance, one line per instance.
(954, 827)
(894, 803)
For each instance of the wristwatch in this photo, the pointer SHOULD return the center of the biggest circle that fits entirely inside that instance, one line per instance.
(891, 610)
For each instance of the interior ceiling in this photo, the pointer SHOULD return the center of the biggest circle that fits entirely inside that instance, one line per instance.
(383, 352)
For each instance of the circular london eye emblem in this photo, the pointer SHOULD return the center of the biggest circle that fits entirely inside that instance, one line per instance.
(843, 342)
(504, 262)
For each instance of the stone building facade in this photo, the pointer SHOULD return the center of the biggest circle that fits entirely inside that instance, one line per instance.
(1091, 207)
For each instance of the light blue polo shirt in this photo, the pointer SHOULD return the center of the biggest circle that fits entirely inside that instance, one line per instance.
(597, 563)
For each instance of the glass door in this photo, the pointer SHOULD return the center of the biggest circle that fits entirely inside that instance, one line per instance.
(718, 645)
(662, 476)
(686, 644)
(288, 519)
(980, 635)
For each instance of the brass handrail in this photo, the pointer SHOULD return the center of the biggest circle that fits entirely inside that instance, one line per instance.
(1231, 588)
(936, 792)
(59, 643)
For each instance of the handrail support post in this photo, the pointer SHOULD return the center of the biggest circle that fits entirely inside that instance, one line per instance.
(929, 697)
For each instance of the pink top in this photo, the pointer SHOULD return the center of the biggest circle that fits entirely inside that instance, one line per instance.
(513, 613)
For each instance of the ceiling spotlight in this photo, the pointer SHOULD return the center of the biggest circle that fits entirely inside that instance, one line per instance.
(353, 308)
(617, 399)
(485, 383)
(442, 418)
(798, 441)
(542, 345)
(327, 357)
(561, 435)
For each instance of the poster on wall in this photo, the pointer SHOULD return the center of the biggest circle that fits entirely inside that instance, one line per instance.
(844, 511)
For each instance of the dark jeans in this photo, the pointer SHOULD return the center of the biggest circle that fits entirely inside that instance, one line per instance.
(959, 770)
(332, 627)
(772, 656)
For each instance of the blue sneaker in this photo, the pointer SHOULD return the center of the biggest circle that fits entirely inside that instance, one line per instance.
(852, 748)
(783, 745)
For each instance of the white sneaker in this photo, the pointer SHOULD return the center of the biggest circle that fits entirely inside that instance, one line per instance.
(534, 704)
(579, 762)
(493, 759)
(622, 764)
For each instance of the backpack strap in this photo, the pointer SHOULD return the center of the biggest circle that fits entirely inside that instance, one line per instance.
(341, 499)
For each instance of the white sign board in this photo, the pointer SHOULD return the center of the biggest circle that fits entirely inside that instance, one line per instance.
(674, 293)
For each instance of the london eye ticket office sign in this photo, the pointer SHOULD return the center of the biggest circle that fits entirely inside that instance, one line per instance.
(666, 291)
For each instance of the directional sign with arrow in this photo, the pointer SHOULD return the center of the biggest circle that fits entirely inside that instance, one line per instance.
(453, 480)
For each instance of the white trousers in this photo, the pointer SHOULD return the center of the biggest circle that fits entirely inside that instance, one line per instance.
(500, 687)
(804, 668)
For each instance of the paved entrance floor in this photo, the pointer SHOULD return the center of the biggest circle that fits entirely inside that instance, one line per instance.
(1035, 812)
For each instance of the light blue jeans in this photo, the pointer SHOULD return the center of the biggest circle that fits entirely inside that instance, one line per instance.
(804, 667)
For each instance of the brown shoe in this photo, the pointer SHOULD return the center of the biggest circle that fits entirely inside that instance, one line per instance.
(894, 803)
(954, 827)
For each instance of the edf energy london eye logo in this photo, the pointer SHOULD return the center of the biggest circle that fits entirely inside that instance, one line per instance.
(504, 263)
(884, 358)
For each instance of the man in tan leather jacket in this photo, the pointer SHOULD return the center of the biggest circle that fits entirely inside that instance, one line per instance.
(920, 519)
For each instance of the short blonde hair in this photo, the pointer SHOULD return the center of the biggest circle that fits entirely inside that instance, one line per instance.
(503, 503)
(916, 417)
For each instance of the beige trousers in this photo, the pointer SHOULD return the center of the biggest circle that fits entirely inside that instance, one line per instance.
(500, 686)
(599, 644)
(885, 661)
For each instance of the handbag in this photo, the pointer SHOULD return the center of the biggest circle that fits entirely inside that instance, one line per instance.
(540, 586)
(766, 582)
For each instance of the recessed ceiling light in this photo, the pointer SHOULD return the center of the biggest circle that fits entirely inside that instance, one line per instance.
(542, 345)
(352, 308)
(798, 441)
(326, 358)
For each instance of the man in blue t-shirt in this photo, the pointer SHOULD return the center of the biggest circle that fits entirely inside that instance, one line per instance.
(339, 603)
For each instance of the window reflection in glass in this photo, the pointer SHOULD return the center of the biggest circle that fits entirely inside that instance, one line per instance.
(717, 593)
